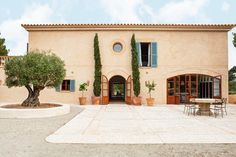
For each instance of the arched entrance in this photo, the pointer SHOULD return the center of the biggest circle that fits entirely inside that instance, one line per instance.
(183, 87)
(117, 89)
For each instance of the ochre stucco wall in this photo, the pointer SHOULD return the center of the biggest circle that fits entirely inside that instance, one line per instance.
(179, 52)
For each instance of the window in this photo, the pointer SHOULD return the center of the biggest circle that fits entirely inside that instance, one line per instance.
(216, 87)
(147, 53)
(117, 47)
(67, 85)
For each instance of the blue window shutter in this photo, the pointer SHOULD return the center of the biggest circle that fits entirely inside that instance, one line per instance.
(58, 88)
(72, 85)
(154, 54)
(139, 52)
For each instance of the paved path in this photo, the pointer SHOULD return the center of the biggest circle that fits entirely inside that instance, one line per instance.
(25, 138)
(124, 124)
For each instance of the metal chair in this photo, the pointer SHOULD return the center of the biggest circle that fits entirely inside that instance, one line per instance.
(220, 107)
(190, 107)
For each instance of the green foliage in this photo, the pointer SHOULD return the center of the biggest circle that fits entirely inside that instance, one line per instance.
(135, 67)
(83, 87)
(38, 69)
(234, 39)
(98, 68)
(232, 87)
(35, 71)
(3, 50)
(150, 86)
(232, 73)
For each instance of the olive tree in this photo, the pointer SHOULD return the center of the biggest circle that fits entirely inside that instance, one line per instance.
(34, 71)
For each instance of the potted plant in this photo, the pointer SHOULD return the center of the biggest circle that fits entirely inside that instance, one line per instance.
(97, 73)
(135, 73)
(151, 87)
(82, 88)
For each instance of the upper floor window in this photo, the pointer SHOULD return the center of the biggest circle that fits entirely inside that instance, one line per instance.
(147, 53)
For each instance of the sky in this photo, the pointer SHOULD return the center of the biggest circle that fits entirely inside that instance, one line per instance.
(17, 12)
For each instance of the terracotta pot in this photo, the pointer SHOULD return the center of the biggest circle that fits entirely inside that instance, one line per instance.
(95, 100)
(137, 101)
(150, 101)
(82, 100)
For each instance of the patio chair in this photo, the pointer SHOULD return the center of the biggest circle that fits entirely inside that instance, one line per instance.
(220, 107)
(194, 107)
(190, 107)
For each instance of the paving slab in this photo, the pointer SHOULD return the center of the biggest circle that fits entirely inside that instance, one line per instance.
(161, 124)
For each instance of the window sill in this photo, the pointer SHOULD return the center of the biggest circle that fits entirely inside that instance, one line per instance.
(65, 91)
(146, 67)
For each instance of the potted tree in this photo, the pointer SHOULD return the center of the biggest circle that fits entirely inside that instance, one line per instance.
(82, 88)
(135, 73)
(97, 73)
(151, 87)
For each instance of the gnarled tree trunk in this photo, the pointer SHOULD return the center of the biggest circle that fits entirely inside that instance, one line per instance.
(33, 97)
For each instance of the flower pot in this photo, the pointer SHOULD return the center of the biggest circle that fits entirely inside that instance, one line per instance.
(95, 100)
(137, 100)
(82, 100)
(150, 101)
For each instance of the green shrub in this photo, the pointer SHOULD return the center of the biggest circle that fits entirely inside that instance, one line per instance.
(151, 87)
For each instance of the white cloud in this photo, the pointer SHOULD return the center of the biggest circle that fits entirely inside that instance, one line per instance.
(125, 11)
(181, 11)
(15, 35)
(225, 6)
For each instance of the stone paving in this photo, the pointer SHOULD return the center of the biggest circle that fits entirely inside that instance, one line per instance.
(124, 124)
(26, 138)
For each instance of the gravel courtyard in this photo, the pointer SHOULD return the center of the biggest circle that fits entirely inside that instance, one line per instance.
(26, 138)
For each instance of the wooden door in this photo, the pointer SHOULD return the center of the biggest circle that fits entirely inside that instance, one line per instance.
(171, 90)
(128, 89)
(177, 89)
(105, 90)
(216, 87)
(187, 88)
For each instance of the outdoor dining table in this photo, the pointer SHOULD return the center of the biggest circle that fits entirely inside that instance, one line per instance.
(204, 105)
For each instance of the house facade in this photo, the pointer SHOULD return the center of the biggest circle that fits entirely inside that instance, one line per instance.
(185, 60)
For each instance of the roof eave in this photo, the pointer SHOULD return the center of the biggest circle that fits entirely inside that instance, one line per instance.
(128, 27)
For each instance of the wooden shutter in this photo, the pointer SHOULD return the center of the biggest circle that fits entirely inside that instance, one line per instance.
(154, 54)
(105, 90)
(128, 92)
(72, 85)
(58, 88)
(139, 52)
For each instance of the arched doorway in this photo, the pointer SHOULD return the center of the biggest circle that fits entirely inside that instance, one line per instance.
(183, 87)
(117, 89)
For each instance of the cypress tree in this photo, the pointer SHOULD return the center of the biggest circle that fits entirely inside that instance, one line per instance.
(3, 49)
(135, 67)
(98, 68)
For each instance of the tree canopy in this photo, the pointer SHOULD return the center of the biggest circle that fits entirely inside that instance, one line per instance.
(3, 50)
(35, 71)
(234, 39)
(232, 73)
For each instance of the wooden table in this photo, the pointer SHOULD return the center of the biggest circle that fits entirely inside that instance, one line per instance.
(204, 105)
